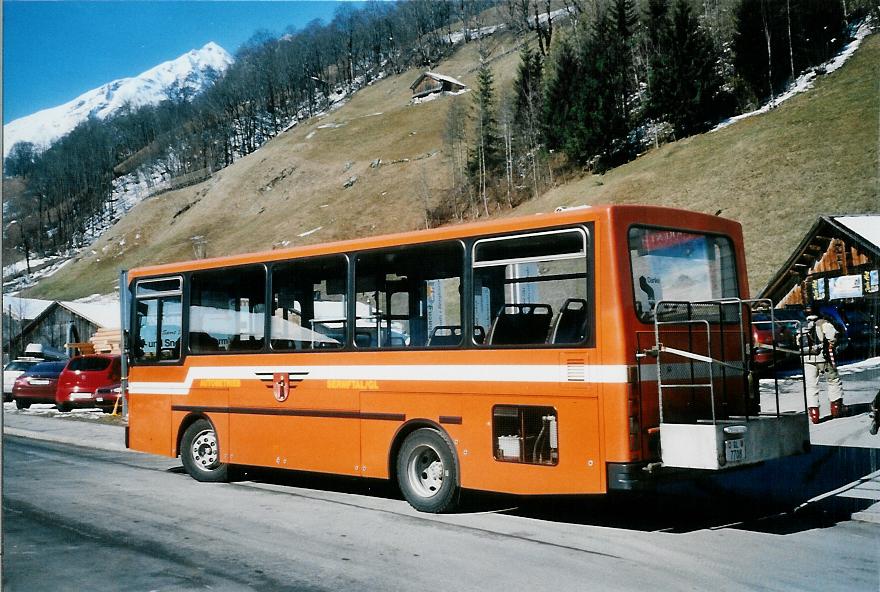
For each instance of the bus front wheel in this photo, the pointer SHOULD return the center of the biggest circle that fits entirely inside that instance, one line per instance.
(427, 472)
(200, 453)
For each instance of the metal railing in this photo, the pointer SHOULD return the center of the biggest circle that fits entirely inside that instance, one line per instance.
(713, 316)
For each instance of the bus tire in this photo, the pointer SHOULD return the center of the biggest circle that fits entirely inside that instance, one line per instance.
(200, 453)
(427, 472)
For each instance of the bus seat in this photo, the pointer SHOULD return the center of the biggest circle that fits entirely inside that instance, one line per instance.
(571, 322)
(203, 342)
(249, 344)
(445, 335)
(520, 324)
(363, 339)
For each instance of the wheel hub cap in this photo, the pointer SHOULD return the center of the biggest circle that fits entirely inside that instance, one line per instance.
(204, 450)
(425, 471)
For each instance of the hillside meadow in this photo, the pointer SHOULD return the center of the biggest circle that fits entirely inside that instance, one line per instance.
(774, 173)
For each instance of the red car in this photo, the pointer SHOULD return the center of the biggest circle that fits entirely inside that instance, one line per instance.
(81, 380)
(106, 397)
(37, 385)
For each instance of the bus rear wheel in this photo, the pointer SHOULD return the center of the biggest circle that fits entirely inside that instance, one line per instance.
(200, 453)
(427, 472)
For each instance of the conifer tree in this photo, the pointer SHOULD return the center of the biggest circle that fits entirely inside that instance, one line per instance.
(486, 158)
(527, 109)
(561, 84)
(684, 79)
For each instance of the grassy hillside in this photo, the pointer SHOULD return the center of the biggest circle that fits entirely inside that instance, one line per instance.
(774, 173)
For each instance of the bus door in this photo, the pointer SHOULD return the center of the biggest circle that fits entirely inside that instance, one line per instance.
(311, 420)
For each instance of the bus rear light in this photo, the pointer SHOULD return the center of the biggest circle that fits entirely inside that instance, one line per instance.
(635, 435)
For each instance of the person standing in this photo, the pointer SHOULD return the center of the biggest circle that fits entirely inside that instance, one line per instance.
(817, 340)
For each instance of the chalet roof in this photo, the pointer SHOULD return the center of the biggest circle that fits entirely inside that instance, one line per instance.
(437, 77)
(106, 316)
(863, 230)
(24, 309)
(866, 226)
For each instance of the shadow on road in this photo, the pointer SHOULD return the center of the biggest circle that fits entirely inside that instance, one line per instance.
(779, 497)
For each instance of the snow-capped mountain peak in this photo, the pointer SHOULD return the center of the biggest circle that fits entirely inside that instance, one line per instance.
(183, 77)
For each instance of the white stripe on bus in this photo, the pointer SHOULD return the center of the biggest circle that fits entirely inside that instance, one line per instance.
(555, 373)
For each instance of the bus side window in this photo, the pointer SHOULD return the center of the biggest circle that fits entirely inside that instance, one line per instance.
(409, 297)
(158, 320)
(520, 280)
(308, 304)
(227, 310)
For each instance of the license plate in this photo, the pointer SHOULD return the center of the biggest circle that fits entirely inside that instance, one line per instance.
(99, 399)
(38, 381)
(734, 450)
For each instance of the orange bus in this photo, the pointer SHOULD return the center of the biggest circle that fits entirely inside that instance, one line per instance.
(569, 353)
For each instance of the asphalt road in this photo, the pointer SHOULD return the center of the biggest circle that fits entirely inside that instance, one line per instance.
(84, 519)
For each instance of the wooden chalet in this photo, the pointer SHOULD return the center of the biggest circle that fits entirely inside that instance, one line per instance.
(838, 259)
(431, 82)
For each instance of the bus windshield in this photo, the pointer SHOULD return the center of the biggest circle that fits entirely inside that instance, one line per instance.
(679, 266)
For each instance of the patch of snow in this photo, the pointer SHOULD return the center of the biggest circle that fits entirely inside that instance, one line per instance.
(308, 232)
(436, 95)
(26, 281)
(310, 135)
(49, 410)
(103, 299)
(21, 266)
(458, 36)
(805, 81)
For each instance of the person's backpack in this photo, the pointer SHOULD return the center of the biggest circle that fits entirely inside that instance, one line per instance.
(809, 338)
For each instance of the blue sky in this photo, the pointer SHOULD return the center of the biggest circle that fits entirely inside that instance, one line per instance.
(55, 51)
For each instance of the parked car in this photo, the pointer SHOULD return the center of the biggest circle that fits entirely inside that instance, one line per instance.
(83, 376)
(855, 326)
(764, 330)
(37, 385)
(12, 371)
(106, 397)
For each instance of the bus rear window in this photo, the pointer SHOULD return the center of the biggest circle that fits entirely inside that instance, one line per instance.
(89, 364)
(676, 265)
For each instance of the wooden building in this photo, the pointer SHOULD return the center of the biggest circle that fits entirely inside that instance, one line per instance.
(63, 323)
(431, 82)
(838, 260)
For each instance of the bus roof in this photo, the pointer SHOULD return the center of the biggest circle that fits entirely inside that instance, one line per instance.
(656, 215)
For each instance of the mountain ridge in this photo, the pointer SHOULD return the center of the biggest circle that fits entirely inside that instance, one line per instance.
(191, 72)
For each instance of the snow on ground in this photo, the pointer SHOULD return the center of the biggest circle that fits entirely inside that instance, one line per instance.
(21, 266)
(805, 81)
(861, 382)
(312, 231)
(433, 96)
(49, 410)
(104, 299)
(23, 281)
(459, 36)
